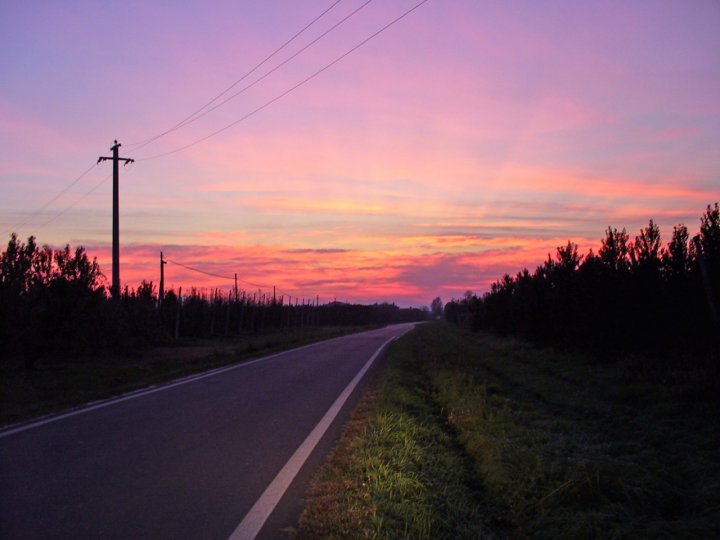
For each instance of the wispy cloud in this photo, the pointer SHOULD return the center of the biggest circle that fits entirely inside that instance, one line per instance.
(469, 141)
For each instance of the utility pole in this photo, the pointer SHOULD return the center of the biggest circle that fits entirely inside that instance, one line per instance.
(161, 292)
(115, 288)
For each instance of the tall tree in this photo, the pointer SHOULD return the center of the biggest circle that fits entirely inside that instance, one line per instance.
(436, 307)
(676, 256)
(709, 235)
(646, 249)
(614, 247)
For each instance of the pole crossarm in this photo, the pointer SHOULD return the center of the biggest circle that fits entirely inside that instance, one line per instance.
(126, 160)
(114, 149)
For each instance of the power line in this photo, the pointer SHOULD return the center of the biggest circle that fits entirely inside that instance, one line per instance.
(190, 119)
(286, 92)
(34, 214)
(217, 275)
(77, 201)
(245, 117)
(212, 274)
(194, 116)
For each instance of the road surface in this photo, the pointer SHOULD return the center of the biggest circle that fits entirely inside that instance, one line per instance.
(186, 460)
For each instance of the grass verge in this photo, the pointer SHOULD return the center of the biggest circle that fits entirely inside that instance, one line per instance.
(467, 436)
(52, 386)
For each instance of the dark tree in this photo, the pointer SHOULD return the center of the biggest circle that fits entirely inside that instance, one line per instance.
(614, 249)
(436, 307)
(645, 252)
(635, 297)
(676, 256)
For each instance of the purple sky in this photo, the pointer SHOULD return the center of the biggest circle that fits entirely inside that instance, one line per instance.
(467, 140)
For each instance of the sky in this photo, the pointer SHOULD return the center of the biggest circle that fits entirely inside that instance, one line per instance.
(466, 140)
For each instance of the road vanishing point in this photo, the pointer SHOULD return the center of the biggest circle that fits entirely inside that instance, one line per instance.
(223, 454)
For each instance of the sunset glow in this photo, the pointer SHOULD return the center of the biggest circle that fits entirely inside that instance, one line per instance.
(467, 140)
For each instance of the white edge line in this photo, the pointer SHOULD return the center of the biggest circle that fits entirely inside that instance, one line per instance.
(92, 406)
(254, 520)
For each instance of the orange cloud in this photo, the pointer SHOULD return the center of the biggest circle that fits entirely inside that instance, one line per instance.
(404, 274)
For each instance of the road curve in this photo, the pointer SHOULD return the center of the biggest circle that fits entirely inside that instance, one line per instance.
(187, 460)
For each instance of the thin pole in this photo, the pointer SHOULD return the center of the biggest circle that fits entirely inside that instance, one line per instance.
(177, 314)
(161, 292)
(115, 287)
(116, 223)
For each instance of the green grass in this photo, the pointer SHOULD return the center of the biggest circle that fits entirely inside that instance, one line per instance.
(54, 385)
(467, 436)
(398, 471)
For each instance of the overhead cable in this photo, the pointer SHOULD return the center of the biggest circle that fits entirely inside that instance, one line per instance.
(212, 274)
(199, 113)
(288, 91)
(77, 201)
(34, 214)
(190, 120)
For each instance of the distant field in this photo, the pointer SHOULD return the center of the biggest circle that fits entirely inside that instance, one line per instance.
(466, 436)
(54, 385)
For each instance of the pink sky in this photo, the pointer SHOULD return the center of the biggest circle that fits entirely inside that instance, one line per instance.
(467, 140)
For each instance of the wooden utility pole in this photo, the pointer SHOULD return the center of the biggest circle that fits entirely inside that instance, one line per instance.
(115, 288)
(161, 292)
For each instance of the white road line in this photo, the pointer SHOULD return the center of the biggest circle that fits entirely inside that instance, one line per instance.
(141, 393)
(253, 522)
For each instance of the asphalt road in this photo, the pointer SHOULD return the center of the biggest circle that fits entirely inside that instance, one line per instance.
(182, 461)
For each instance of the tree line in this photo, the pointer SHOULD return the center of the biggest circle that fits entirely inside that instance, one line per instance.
(633, 295)
(55, 304)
